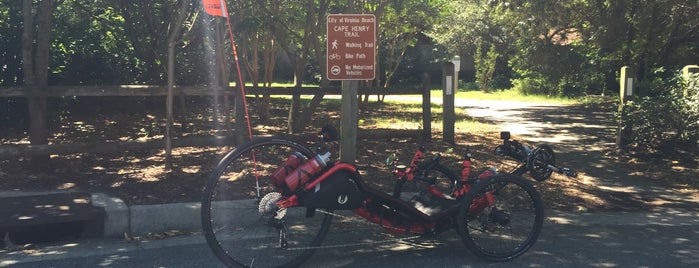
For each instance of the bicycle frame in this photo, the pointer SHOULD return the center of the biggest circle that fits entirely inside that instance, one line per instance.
(393, 214)
(288, 202)
(529, 161)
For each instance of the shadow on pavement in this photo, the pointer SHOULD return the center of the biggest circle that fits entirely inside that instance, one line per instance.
(584, 139)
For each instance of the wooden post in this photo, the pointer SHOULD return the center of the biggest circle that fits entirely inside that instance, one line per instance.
(426, 109)
(348, 119)
(626, 84)
(241, 133)
(448, 91)
(687, 73)
(348, 122)
(168, 104)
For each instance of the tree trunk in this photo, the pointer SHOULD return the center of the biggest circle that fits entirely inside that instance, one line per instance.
(172, 40)
(35, 60)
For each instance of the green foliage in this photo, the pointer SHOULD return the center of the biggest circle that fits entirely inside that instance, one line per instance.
(569, 48)
(485, 66)
(535, 86)
(665, 119)
(10, 47)
(576, 46)
(402, 25)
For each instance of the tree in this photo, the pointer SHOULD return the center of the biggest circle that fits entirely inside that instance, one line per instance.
(173, 38)
(298, 31)
(401, 23)
(640, 33)
(579, 40)
(475, 29)
(10, 44)
(36, 40)
(574, 47)
(485, 66)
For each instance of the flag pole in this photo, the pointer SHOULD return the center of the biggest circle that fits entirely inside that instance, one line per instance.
(222, 11)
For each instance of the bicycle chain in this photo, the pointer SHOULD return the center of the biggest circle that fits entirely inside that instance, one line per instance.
(354, 219)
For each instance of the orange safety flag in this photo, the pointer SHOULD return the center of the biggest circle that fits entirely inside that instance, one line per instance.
(216, 8)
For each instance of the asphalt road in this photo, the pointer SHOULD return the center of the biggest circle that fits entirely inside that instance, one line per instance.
(623, 242)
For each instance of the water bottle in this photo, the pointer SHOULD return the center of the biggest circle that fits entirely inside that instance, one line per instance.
(304, 173)
(466, 168)
(285, 168)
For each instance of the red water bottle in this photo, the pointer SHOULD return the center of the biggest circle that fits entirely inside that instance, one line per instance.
(286, 167)
(302, 174)
(465, 173)
(466, 168)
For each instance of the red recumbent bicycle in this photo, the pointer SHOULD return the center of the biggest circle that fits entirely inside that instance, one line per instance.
(259, 213)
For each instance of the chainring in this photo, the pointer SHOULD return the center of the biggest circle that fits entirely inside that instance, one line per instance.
(269, 208)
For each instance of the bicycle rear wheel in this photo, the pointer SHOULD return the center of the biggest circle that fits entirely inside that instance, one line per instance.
(501, 218)
(241, 223)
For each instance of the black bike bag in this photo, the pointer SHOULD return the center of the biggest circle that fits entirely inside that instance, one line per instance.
(337, 192)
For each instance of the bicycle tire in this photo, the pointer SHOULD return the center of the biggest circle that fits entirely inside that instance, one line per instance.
(506, 228)
(443, 177)
(237, 230)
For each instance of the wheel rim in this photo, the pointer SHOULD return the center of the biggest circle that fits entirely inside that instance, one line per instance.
(508, 227)
(240, 230)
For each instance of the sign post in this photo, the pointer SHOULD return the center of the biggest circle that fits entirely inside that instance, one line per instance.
(687, 73)
(449, 88)
(351, 56)
(625, 92)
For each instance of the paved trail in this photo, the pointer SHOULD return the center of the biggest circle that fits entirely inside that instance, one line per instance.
(580, 136)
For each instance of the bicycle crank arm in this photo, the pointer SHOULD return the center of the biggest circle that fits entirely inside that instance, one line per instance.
(566, 171)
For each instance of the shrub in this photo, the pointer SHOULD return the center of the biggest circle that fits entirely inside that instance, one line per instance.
(535, 86)
(666, 119)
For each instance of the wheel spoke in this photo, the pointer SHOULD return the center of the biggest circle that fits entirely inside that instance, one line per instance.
(506, 227)
(242, 224)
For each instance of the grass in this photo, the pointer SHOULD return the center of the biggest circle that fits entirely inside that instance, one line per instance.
(514, 95)
(405, 111)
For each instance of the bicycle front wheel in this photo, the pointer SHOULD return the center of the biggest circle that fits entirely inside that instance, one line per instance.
(242, 224)
(501, 218)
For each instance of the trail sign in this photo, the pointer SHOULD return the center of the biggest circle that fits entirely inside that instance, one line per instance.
(351, 47)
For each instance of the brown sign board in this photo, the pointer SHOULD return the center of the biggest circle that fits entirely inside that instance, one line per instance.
(351, 47)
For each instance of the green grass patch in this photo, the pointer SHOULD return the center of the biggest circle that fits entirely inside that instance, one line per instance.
(405, 111)
(513, 95)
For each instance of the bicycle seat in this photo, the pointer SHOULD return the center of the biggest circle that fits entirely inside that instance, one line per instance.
(431, 205)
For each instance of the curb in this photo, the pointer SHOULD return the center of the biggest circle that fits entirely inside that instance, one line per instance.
(140, 220)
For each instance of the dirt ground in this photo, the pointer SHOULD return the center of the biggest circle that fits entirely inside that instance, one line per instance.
(140, 177)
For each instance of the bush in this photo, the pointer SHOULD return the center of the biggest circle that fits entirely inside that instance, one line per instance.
(535, 86)
(665, 120)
